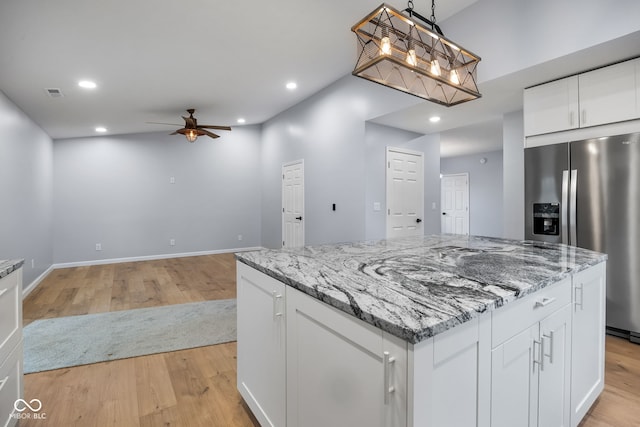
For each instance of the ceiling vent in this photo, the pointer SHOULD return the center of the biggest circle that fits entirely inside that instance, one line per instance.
(54, 92)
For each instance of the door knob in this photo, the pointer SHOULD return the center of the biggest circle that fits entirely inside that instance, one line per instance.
(299, 218)
(418, 220)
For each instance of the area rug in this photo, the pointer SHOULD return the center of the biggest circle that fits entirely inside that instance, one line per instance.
(91, 338)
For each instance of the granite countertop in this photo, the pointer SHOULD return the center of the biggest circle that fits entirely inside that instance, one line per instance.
(7, 266)
(415, 288)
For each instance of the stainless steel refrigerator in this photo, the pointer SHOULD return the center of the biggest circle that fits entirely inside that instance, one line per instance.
(587, 194)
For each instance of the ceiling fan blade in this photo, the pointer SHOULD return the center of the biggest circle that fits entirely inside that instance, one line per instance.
(158, 123)
(210, 134)
(179, 131)
(214, 127)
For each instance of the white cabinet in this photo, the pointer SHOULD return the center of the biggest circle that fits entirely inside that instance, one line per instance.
(261, 345)
(588, 331)
(551, 107)
(341, 371)
(607, 95)
(530, 370)
(11, 386)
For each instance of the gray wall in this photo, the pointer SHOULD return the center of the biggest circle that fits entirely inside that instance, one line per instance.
(26, 176)
(513, 192)
(115, 190)
(377, 139)
(485, 190)
(327, 130)
(508, 36)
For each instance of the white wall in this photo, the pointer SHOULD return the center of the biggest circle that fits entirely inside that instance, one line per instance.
(327, 130)
(485, 190)
(513, 172)
(115, 190)
(26, 177)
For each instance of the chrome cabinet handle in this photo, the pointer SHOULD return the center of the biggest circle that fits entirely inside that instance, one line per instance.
(3, 382)
(550, 338)
(276, 296)
(544, 302)
(388, 389)
(578, 302)
(3, 291)
(537, 355)
(571, 117)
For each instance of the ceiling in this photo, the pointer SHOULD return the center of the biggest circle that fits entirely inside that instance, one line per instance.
(152, 60)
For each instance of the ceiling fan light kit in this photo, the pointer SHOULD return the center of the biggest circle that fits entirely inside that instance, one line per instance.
(408, 52)
(192, 130)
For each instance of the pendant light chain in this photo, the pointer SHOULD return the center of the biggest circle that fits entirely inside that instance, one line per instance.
(433, 13)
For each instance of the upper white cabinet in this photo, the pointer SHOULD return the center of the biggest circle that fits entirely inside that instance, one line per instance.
(606, 95)
(261, 345)
(551, 107)
(609, 94)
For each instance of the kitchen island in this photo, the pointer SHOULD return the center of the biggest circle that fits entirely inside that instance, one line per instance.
(429, 331)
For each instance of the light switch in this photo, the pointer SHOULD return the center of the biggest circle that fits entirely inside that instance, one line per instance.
(433, 206)
(376, 206)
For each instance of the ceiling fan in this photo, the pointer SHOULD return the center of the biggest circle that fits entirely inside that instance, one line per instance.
(192, 130)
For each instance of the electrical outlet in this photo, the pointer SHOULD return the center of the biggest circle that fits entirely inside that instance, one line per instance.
(172, 180)
(239, 236)
(98, 246)
(172, 242)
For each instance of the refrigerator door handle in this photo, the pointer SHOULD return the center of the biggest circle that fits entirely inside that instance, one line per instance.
(573, 206)
(564, 218)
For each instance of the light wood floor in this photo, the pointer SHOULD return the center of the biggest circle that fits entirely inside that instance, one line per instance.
(197, 387)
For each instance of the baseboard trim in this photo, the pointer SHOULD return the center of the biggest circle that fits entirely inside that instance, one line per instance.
(34, 284)
(26, 291)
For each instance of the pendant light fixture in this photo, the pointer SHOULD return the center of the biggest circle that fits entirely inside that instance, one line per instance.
(408, 52)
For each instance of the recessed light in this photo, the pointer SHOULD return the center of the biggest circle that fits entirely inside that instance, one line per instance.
(101, 129)
(292, 85)
(241, 120)
(87, 84)
(434, 119)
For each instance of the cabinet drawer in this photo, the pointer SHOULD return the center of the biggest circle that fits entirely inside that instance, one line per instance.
(519, 315)
(10, 313)
(10, 385)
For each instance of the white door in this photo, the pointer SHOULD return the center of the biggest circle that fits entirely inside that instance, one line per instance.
(293, 204)
(454, 194)
(405, 193)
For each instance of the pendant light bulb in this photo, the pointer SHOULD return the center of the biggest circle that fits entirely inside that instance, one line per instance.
(454, 78)
(411, 57)
(435, 68)
(385, 42)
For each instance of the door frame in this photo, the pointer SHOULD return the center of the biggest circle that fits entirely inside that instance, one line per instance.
(468, 186)
(388, 186)
(282, 228)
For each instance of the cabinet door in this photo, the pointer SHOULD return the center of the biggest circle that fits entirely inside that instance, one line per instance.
(551, 107)
(514, 381)
(588, 325)
(554, 369)
(608, 95)
(261, 345)
(336, 373)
